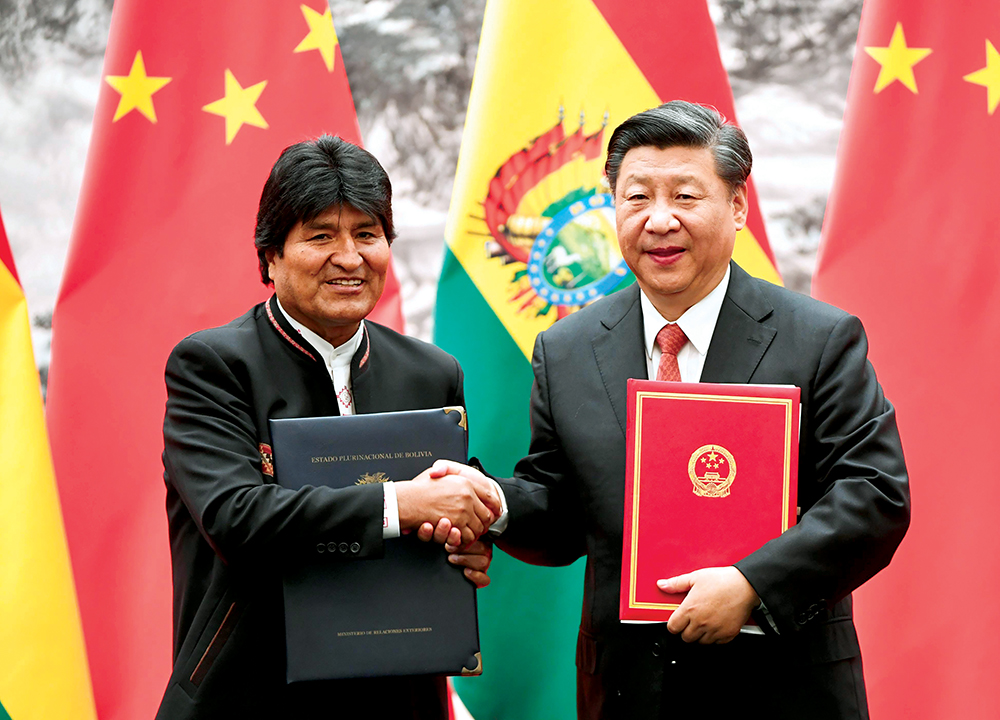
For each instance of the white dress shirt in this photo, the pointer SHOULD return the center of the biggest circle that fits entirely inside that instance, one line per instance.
(698, 323)
(338, 364)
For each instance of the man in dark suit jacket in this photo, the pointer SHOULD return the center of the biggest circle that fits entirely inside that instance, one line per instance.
(679, 176)
(323, 234)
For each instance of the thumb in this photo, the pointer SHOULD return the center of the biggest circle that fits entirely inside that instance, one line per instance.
(677, 584)
(439, 469)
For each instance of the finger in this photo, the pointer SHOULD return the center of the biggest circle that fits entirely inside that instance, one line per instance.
(468, 536)
(479, 548)
(425, 532)
(476, 523)
(486, 489)
(692, 633)
(676, 584)
(485, 516)
(448, 467)
(442, 531)
(678, 621)
(454, 540)
(473, 562)
(479, 579)
(439, 469)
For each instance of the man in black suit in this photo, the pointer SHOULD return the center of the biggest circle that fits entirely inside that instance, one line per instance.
(678, 173)
(323, 234)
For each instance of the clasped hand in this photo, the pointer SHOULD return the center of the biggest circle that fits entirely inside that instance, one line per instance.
(452, 504)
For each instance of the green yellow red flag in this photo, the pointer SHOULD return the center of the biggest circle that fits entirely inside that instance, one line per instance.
(43, 664)
(197, 101)
(531, 238)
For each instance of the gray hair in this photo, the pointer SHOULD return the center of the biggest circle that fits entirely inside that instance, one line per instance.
(684, 124)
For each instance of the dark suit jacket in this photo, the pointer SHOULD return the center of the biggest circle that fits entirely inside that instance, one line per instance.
(567, 500)
(232, 529)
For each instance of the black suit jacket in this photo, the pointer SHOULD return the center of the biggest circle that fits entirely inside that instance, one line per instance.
(232, 529)
(567, 500)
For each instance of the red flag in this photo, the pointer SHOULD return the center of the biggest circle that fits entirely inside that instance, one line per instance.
(910, 245)
(198, 100)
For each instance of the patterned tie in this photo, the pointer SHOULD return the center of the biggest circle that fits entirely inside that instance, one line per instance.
(670, 339)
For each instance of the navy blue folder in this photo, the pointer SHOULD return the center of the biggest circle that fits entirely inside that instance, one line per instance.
(409, 612)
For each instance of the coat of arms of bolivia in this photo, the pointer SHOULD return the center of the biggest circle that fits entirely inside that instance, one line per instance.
(548, 221)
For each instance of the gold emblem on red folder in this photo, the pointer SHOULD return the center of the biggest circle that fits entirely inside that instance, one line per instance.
(712, 470)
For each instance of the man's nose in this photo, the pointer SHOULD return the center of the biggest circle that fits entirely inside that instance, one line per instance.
(345, 255)
(662, 218)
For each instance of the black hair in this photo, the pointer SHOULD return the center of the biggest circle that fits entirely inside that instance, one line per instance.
(683, 124)
(310, 177)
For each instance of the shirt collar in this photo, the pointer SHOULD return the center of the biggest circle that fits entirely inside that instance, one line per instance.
(332, 356)
(698, 322)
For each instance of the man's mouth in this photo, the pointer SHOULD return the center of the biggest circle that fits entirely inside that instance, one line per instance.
(346, 282)
(667, 254)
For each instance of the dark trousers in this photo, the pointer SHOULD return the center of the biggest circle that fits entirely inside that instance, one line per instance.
(749, 678)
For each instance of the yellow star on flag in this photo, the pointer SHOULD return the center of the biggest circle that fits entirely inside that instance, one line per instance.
(136, 90)
(989, 77)
(897, 61)
(238, 106)
(322, 35)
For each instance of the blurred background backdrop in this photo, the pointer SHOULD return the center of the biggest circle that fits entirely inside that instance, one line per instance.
(410, 66)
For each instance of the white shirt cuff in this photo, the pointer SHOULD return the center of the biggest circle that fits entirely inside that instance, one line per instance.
(390, 512)
(500, 524)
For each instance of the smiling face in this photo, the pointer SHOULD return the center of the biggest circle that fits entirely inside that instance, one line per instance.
(677, 223)
(331, 271)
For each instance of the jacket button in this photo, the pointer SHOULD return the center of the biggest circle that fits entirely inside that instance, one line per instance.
(321, 548)
(657, 648)
(355, 547)
(331, 546)
(344, 547)
(801, 618)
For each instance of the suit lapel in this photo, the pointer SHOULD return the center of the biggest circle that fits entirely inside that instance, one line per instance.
(618, 348)
(361, 375)
(741, 338)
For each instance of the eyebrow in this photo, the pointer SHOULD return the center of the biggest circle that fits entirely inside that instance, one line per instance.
(316, 225)
(370, 223)
(678, 180)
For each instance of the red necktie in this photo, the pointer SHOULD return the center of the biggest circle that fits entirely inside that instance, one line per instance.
(670, 339)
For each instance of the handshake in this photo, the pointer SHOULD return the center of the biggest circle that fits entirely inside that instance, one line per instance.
(454, 505)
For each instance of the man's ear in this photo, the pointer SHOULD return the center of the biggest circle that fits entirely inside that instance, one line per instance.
(741, 206)
(269, 255)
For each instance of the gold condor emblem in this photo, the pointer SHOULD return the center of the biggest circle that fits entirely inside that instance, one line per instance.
(372, 478)
(712, 470)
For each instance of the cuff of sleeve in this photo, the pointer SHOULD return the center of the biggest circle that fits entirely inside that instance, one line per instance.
(762, 610)
(500, 524)
(390, 512)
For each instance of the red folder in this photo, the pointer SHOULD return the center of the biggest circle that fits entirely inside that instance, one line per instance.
(711, 475)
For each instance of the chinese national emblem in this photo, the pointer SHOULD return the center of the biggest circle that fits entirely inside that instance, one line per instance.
(552, 223)
(712, 470)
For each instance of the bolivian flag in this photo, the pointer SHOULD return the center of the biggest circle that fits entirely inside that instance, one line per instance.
(530, 239)
(43, 666)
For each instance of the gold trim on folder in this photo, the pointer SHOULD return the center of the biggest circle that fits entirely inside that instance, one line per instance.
(463, 421)
(786, 484)
(478, 670)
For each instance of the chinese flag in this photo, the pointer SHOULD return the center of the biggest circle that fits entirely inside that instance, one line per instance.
(197, 101)
(911, 245)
